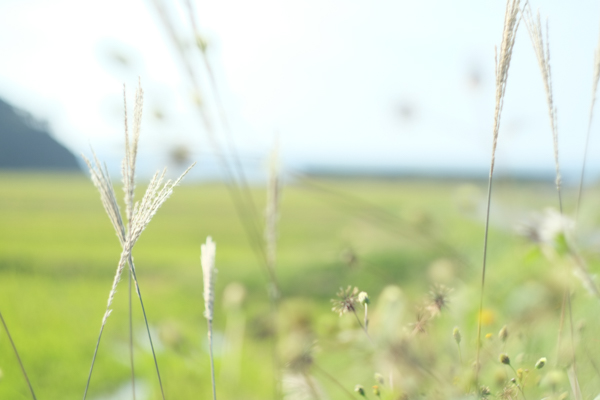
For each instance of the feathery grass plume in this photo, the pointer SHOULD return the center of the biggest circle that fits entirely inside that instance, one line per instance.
(128, 175)
(14, 347)
(595, 79)
(207, 259)
(511, 24)
(138, 216)
(542, 53)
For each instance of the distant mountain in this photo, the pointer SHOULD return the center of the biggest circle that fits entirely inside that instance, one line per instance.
(26, 144)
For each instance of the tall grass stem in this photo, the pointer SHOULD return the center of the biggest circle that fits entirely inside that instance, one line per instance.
(14, 347)
(511, 24)
(131, 337)
(595, 79)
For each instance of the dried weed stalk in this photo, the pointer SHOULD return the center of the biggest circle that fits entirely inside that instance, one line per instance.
(542, 53)
(511, 24)
(138, 215)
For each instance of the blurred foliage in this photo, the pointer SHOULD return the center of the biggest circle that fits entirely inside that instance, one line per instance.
(422, 273)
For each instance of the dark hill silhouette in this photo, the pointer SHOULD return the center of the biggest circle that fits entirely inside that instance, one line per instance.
(26, 144)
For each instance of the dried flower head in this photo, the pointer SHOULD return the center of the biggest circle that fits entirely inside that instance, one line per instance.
(420, 324)
(439, 295)
(552, 229)
(346, 300)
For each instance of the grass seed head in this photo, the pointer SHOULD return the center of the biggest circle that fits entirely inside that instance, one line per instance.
(207, 258)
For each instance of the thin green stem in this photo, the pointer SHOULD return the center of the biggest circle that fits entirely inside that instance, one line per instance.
(12, 343)
(362, 327)
(139, 293)
(485, 242)
(274, 302)
(576, 387)
(212, 363)
(585, 153)
(87, 385)
(560, 326)
(131, 340)
(311, 386)
(332, 379)
(519, 384)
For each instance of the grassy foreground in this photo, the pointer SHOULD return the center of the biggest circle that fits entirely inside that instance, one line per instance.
(392, 239)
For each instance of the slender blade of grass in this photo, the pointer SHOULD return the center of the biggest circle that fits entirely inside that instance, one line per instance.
(14, 347)
(139, 293)
(131, 340)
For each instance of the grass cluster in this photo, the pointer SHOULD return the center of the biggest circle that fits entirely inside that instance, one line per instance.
(418, 313)
(59, 251)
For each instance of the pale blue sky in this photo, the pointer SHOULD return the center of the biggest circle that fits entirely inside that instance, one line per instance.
(343, 83)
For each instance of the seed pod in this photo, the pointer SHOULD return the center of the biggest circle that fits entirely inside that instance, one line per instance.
(540, 363)
(456, 335)
(360, 390)
(363, 298)
(503, 334)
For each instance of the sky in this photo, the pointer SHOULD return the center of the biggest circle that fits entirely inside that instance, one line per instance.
(338, 84)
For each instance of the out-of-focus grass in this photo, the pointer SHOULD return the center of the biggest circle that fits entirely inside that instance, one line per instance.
(58, 255)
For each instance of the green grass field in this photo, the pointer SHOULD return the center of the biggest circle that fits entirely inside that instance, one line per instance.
(58, 255)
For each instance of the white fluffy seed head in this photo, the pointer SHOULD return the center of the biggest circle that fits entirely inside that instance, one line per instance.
(207, 259)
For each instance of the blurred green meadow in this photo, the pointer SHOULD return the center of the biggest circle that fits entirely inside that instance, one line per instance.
(395, 239)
